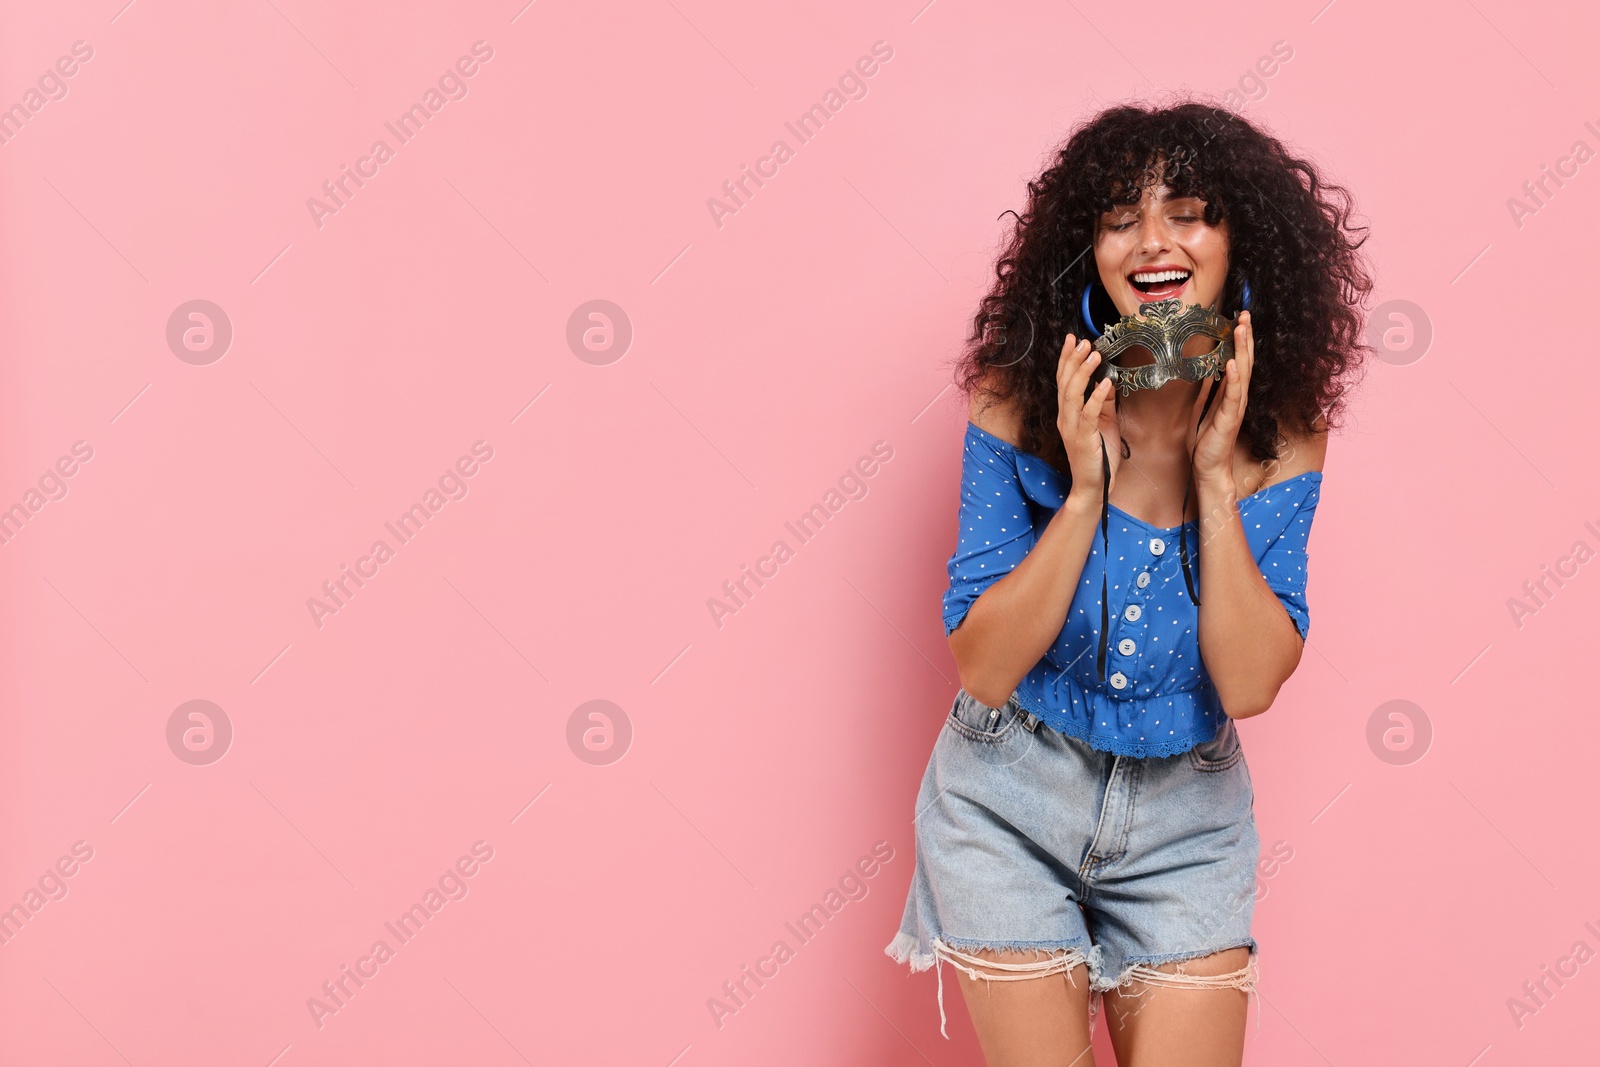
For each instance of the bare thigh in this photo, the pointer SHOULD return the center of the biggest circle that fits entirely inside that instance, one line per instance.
(1024, 1020)
(1172, 1025)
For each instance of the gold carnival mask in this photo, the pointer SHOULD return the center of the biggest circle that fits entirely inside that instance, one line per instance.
(1163, 328)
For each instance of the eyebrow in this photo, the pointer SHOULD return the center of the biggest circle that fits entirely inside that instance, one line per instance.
(1168, 197)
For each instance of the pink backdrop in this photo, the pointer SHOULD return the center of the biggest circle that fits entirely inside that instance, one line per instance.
(183, 479)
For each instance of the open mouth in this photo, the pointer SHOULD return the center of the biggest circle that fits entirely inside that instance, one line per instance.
(1162, 284)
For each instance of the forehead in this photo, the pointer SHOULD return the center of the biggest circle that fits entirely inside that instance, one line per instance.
(1155, 193)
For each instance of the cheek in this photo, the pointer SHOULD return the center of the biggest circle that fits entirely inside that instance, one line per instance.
(1109, 258)
(1210, 252)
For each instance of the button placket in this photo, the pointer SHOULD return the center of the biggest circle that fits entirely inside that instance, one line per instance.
(1134, 611)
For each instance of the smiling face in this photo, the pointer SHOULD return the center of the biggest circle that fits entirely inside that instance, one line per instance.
(1161, 248)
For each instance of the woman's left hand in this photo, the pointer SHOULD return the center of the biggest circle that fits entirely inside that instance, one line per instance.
(1213, 445)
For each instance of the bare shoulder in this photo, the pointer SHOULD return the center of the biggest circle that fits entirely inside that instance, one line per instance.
(1299, 454)
(998, 416)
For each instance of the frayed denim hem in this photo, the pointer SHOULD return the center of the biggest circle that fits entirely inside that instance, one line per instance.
(1144, 971)
(905, 949)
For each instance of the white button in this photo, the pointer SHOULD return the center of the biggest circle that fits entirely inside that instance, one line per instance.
(1132, 614)
(1119, 681)
(1143, 579)
(1126, 646)
(1157, 546)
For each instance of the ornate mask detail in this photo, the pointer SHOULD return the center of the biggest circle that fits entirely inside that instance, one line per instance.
(1162, 328)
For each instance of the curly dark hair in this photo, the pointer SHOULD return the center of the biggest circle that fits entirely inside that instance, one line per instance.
(1290, 235)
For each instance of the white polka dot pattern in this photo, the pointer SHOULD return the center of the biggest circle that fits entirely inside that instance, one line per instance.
(1167, 703)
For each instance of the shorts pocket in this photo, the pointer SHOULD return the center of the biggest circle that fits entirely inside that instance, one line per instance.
(979, 722)
(1219, 753)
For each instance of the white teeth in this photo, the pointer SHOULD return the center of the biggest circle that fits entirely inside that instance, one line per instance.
(1151, 277)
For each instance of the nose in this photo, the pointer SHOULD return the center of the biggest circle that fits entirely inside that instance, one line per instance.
(1154, 236)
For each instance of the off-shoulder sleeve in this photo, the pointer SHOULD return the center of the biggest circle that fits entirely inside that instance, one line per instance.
(1277, 524)
(996, 526)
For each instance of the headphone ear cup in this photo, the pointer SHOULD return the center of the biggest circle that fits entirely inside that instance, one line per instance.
(1102, 311)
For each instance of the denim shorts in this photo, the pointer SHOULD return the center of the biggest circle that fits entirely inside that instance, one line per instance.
(1027, 838)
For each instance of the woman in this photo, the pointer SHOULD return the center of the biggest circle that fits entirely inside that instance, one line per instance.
(1085, 828)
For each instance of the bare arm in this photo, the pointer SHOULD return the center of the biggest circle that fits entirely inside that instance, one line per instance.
(1248, 641)
(1013, 623)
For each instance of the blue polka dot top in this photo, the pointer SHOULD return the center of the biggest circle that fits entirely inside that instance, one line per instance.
(1157, 699)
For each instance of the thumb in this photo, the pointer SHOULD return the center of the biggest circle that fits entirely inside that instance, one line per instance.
(1200, 400)
(1109, 425)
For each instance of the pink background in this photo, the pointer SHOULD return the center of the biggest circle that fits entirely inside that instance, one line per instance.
(768, 354)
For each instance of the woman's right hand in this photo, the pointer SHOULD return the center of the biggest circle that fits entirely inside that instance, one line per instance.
(1084, 423)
